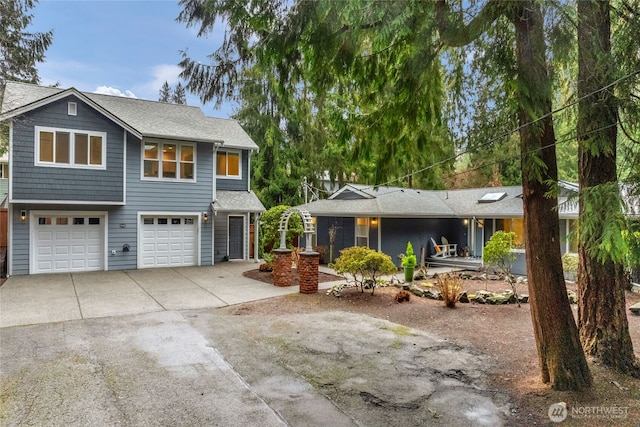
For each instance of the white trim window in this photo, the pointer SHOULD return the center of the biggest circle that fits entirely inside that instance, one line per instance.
(362, 232)
(70, 148)
(168, 161)
(229, 164)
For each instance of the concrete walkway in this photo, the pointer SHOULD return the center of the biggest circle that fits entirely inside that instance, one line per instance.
(47, 298)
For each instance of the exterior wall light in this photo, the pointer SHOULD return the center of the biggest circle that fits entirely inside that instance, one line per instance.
(205, 217)
(23, 215)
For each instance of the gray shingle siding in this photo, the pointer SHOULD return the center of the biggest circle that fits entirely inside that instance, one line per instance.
(162, 196)
(31, 182)
(220, 236)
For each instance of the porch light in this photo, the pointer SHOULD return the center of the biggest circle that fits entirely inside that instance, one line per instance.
(374, 222)
(23, 215)
(465, 221)
(205, 217)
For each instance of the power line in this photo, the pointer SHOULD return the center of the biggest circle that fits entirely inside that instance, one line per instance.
(505, 134)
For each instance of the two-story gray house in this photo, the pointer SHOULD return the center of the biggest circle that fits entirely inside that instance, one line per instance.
(101, 182)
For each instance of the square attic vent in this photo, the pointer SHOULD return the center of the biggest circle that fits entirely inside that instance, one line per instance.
(492, 197)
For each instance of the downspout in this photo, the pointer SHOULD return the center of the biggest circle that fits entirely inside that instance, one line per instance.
(216, 146)
(10, 206)
(249, 171)
(256, 240)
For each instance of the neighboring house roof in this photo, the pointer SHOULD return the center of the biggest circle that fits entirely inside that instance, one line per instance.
(381, 201)
(359, 200)
(236, 201)
(144, 118)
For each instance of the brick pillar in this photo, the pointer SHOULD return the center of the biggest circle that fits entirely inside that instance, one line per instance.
(308, 272)
(282, 268)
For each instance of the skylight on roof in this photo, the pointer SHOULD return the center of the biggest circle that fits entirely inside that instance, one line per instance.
(492, 197)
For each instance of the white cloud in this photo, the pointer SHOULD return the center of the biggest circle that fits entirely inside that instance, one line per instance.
(108, 90)
(164, 73)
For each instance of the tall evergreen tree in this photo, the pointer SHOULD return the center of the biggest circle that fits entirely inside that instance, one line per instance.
(179, 95)
(165, 93)
(20, 50)
(562, 361)
(604, 329)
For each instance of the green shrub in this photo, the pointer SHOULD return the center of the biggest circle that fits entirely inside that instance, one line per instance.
(409, 259)
(570, 263)
(364, 265)
(497, 253)
(269, 223)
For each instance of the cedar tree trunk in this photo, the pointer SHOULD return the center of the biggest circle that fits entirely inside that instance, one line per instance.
(602, 319)
(562, 361)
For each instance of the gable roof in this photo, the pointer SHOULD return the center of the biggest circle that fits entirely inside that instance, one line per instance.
(236, 201)
(412, 203)
(141, 117)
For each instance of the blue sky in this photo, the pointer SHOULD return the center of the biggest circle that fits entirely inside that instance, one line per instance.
(120, 47)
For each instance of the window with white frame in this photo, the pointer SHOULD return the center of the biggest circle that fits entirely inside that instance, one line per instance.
(572, 236)
(170, 161)
(362, 232)
(228, 164)
(4, 170)
(70, 148)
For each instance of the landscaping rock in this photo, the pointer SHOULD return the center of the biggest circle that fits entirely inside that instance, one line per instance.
(635, 309)
(494, 277)
(498, 299)
(521, 280)
(573, 298)
(523, 298)
(464, 298)
(433, 294)
(416, 290)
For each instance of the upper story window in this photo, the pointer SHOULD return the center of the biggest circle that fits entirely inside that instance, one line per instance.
(4, 170)
(169, 161)
(228, 164)
(70, 148)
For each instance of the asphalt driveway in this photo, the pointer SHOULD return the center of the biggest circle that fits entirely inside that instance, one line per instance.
(150, 348)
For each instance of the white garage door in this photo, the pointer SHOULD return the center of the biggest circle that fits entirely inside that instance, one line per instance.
(168, 241)
(65, 241)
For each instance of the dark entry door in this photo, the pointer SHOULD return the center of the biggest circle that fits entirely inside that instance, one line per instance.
(236, 249)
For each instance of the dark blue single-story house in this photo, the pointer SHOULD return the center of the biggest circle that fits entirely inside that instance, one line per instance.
(386, 218)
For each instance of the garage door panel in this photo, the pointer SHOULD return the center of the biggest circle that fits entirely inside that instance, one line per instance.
(78, 264)
(78, 250)
(44, 250)
(172, 243)
(61, 265)
(61, 244)
(61, 235)
(45, 236)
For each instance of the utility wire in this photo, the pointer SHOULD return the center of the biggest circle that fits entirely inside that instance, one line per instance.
(505, 134)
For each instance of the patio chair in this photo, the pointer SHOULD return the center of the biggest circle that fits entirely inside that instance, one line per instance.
(450, 249)
(440, 253)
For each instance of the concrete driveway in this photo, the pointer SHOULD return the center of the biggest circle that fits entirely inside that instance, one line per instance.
(147, 348)
(47, 298)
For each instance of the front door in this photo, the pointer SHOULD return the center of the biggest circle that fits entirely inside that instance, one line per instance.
(236, 249)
